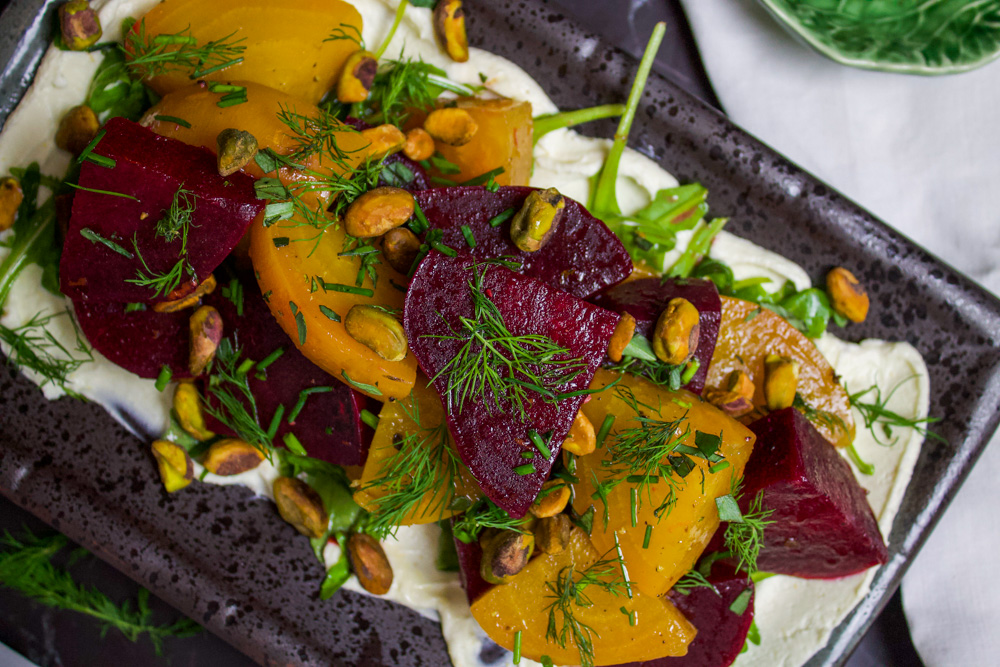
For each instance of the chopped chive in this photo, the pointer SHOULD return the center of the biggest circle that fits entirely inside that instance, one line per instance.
(163, 379)
(501, 218)
(484, 178)
(606, 425)
(721, 465)
(203, 475)
(94, 237)
(633, 500)
(101, 160)
(642, 479)
(621, 565)
(517, 647)
(270, 359)
(223, 103)
(244, 367)
(421, 220)
(300, 322)
(361, 386)
(443, 249)
(469, 238)
(421, 253)
(190, 40)
(280, 241)
(741, 602)
(863, 467)
(101, 192)
(396, 286)
(211, 70)
(301, 403)
(349, 289)
(689, 371)
(540, 444)
(272, 429)
(225, 88)
(294, 445)
(173, 119)
(134, 307)
(683, 404)
(85, 153)
(647, 536)
(625, 611)
(526, 469)
(369, 419)
(527, 455)
(330, 313)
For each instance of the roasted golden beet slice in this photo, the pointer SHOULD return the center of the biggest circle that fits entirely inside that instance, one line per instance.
(656, 627)
(748, 334)
(286, 45)
(415, 422)
(651, 427)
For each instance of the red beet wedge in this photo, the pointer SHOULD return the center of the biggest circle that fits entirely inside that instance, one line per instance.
(645, 299)
(722, 615)
(139, 341)
(328, 423)
(823, 526)
(493, 426)
(582, 257)
(100, 254)
(470, 557)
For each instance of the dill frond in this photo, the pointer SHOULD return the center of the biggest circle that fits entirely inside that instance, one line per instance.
(179, 52)
(236, 406)
(745, 533)
(34, 347)
(497, 368)
(484, 515)
(26, 567)
(877, 414)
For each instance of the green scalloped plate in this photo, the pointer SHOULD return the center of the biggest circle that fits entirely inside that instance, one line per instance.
(926, 37)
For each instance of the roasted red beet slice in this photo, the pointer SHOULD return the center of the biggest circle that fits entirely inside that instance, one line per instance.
(469, 558)
(328, 425)
(140, 341)
(721, 631)
(645, 299)
(491, 438)
(582, 257)
(823, 525)
(150, 169)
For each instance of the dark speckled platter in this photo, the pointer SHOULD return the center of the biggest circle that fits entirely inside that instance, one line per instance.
(226, 558)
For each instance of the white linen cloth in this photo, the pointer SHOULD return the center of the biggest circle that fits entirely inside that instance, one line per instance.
(923, 154)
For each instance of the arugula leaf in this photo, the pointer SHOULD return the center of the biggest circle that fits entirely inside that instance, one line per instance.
(113, 92)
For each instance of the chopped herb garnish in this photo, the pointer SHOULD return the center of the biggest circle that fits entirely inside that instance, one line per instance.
(863, 467)
(172, 119)
(517, 648)
(525, 469)
(34, 347)
(361, 386)
(234, 292)
(647, 536)
(484, 178)
(495, 366)
(94, 237)
(606, 425)
(134, 307)
(293, 444)
(482, 515)
(469, 238)
(301, 403)
(692, 580)
(175, 223)
(300, 322)
(179, 52)
(272, 428)
(539, 444)
(270, 359)
(370, 419)
(163, 379)
(744, 535)
(110, 193)
(280, 241)
(878, 417)
(234, 404)
(741, 602)
(503, 217)
(348, 289)
(329, 312)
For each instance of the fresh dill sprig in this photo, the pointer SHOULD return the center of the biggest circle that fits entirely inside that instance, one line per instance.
(425, 465)
(877, 414)
(26, 567)
(176, 222)
(483, 515)
(692, 580)
(349, 32)
(229, 385)
(179, 52)
(34, 347)
(401, 86)
(315, 135)
(817, 416)
(368, 258)
(496, 367)
(744, 535)
(569, 592)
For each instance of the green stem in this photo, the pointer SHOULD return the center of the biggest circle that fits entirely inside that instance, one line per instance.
(697, 249)
(392, 31)
(545, 124)
(604, 198)
(863, 467)
(20, 254)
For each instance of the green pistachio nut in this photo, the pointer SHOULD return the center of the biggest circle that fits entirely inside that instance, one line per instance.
(79, 25)
(377, 330)
(236, 149)
(538, 219)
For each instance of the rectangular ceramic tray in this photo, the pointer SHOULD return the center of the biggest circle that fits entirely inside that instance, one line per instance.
(229, 561)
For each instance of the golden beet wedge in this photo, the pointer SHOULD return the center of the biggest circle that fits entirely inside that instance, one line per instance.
(748, 334)
(395, 425)
(286, 44)
(657, 629)
(681, 509)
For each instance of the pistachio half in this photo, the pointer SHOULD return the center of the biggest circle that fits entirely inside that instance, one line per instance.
(675, 337)
(581, 439)
(11, 197)
(187, 406)
(231, 456)
(552, 499)
(357, 77)
(79, 25)
(504, 555)
(622, 336)
(552, 534)
(419, 145)
(77, 129)
(449, 27)
(451, 126)
(206, 334)
(847, 296)
(176, 467)
(781, 379)
(537, 220)
(236, 148)
(377, 211)
(377, 330)
(369, 563)
(400, 247)
(300, 506)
